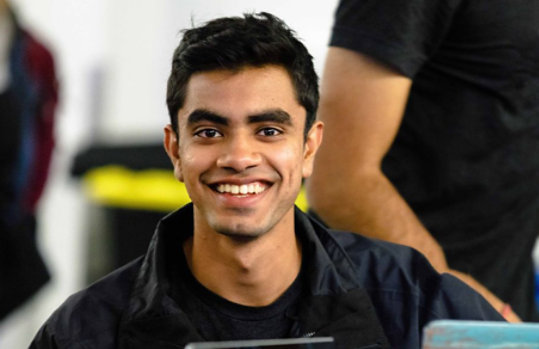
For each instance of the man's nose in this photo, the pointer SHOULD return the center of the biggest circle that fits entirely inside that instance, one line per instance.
(239, 154)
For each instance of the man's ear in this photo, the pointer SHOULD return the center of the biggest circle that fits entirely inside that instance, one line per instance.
(172, 147)
(312, 142)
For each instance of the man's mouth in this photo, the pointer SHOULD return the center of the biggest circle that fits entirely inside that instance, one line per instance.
(243, 189)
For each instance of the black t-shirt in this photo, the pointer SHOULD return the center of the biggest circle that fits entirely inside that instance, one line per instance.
(218, 319)
(466, 155)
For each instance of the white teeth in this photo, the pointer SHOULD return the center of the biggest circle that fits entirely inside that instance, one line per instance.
(253, 188)
(258, 188)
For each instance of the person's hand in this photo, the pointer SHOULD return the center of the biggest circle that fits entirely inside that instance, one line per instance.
(503, 308)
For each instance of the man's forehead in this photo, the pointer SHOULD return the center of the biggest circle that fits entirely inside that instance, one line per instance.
(252, 74)
(267, 79)
(241, 94)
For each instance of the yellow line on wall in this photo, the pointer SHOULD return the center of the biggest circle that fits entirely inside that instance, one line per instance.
(152, 189)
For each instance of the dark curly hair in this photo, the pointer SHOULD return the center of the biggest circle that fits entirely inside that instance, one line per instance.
(235, 42)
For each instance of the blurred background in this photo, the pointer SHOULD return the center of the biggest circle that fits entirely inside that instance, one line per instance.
(112, 60)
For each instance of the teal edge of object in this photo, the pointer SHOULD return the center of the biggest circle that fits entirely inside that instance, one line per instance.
(480, 334)
(537, 287)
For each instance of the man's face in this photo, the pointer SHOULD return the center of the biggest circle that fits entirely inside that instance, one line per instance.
(241, 151)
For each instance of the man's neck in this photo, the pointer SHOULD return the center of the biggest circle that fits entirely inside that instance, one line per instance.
(251, 273)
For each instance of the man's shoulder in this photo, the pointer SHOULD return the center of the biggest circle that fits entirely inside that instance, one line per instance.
(362, 247)
(368, 256)
(386, 267)
(93, 314)
(397, 274)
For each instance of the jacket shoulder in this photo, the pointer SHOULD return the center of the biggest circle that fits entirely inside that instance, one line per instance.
(90, 316)
(395, 273)
(406, 291)
(381, 255)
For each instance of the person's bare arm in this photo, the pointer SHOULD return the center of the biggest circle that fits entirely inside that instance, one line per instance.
(362, 105)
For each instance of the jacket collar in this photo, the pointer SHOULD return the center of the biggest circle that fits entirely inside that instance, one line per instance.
(335, 305)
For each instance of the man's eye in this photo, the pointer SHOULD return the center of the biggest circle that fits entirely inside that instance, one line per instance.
(269, 131)
(208, 133)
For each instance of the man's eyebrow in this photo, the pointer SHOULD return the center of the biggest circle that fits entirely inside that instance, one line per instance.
(277, 115)
(206, 115)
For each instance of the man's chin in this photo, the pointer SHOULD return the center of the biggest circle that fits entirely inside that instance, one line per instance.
(241, 238)
(241, 235)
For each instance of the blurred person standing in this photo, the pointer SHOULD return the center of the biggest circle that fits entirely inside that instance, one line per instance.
(28, 98)
(431, 110)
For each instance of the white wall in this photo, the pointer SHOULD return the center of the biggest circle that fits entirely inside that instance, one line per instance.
(112, 61)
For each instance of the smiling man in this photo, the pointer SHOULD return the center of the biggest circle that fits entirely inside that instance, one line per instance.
(241, 152)
(241, 262)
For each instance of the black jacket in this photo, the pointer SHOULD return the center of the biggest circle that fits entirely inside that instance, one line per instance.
(364, 293)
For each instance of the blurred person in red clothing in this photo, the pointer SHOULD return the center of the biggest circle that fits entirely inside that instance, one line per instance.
(28, 98)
